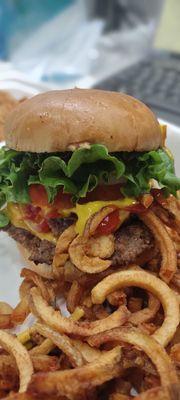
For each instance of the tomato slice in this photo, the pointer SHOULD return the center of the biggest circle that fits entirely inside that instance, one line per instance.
(109, 224)
(31, 212)
(39, 198)
(52, 214)
(103, 192)
(62, 200)
(43, 227)
(38, 195)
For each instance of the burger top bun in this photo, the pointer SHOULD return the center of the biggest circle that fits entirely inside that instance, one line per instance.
(63, 120)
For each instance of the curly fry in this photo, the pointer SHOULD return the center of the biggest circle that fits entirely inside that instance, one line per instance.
(78, 253)
(74, 382)
(151, 347)
(66, 325)
(22, 358)
(165, 244)
(147, 313)
(149, 282)
(61, 255)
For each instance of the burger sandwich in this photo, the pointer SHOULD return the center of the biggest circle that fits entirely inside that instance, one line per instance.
(90, 160)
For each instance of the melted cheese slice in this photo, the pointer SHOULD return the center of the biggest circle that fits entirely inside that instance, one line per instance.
(16, 217)
(83, 212)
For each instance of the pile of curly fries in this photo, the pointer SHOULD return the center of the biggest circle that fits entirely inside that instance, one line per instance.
(121, 339)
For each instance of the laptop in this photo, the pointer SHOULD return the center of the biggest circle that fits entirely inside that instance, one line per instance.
(155, 81)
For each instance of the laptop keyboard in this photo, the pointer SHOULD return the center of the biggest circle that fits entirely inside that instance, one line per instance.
(155, 81)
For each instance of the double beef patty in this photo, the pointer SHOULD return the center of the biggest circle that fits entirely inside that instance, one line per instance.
(131, 240)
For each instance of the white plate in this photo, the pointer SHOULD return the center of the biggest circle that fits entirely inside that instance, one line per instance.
(10, 267)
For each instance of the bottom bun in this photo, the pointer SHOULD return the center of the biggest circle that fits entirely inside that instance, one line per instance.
(43, 270)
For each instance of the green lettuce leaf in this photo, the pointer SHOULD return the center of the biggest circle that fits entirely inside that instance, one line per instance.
(81, 171)
(96, 152)
(4, 220)
(88, 186)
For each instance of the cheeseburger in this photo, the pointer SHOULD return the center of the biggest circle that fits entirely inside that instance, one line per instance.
(90, 159)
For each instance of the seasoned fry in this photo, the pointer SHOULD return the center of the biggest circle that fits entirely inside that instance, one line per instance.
(44, 348)
(63, 343)
(102, 246)
(65, 239)
(74, 296)
(88, 353)
(77, 314)
(45, 363)
(66, 325)
(22, 358)
(41, 363)
(165, 244)
(21, 311)
(74, 382)
(44, 286)
(25, 336)
(149, 282)
(61, 255)
(5, 321)
(117, 298)
(85, 263)
(154, 350)
(172, 204)
(5, 308)
(71, 273)
(5, 315)
(146, 314)
(25, 287)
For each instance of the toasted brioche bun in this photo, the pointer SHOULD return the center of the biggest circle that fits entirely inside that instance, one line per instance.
(65, 119)
(43, 270)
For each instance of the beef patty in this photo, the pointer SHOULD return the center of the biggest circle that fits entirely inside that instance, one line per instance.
(58, 225)
(41, 251)
(131, 241)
